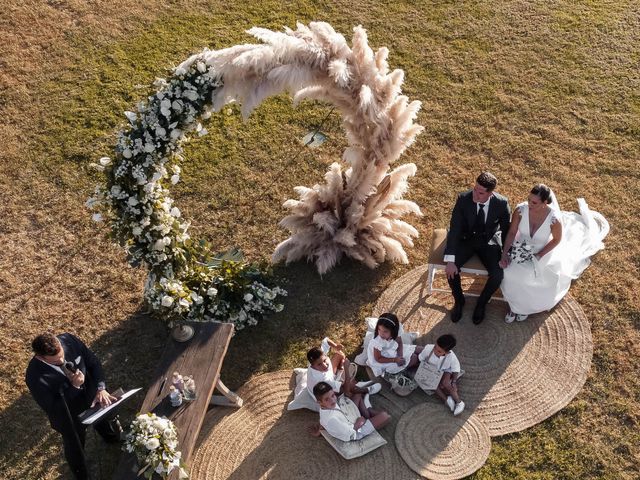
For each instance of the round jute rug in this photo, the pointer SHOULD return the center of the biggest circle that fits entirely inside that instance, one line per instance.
(439, 446)
(516, 374)
(263, 440)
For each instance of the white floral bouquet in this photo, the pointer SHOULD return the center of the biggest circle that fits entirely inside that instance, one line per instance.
(154, 441)
(521, 252)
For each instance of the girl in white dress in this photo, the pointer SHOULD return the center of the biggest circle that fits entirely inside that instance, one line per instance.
(544, 250)
(385, 354)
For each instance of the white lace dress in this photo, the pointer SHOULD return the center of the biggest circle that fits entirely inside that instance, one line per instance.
(533, 286)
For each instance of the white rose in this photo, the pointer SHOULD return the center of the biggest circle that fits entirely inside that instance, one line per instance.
(126, 153)
(180, 71)
(196, 298)
(167, 301)
(191, 95)
(175, 212)
(104, 161)
(149, 147)
(201, 66)
(184, 303)
(212, 292)
(248, 297)
(158, 245)
(160, 132)
(175, 179)
(136, 231)
(152, 443)
(175, 134)
(133, 201)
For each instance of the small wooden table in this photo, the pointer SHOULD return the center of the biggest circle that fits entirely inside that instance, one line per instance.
(200, 357)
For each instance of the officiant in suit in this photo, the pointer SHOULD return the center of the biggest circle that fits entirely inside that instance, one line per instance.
(479, 224)
(65, 378)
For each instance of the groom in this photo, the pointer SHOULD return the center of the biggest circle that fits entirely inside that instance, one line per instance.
(479, 225)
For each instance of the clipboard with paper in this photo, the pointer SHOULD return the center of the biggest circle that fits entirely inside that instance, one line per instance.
(428, 376)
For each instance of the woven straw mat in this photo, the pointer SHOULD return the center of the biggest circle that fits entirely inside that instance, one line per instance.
(263, 440)
(517, 374)
(438, 445)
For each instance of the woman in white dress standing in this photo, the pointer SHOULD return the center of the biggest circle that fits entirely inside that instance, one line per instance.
(544, 250)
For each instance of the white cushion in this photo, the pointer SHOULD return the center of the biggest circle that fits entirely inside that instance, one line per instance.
(302, 398)
(355, 448)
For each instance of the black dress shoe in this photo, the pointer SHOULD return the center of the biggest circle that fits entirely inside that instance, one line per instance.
(456, 312)
(478, 314)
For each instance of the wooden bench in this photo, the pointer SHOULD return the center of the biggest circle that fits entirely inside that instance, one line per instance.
(436, 262)
(202, 358)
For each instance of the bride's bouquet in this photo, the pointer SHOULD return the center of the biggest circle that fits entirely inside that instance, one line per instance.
(521, 252)
(154, 440)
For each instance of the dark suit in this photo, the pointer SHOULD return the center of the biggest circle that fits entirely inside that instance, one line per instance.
(48, 385)
(463, 240)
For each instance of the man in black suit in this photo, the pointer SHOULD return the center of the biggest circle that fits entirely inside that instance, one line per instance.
(479, 225)
(65, 378)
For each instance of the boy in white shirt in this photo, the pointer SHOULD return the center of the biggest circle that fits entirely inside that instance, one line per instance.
(323, 369)
(442, 356)
(336, 420)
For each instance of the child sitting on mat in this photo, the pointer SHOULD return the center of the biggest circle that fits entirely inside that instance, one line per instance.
(441, 356)
(336, 415)
(321, 369)
(387, 354)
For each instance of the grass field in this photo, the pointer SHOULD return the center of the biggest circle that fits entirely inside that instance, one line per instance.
(532, 90)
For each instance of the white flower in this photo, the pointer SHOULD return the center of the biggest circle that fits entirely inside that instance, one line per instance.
(201, 66)
(132, 117)
(184, 302)
(175, 212)
(191, 95)
(133, 201)
(160, 132)
(212, 292)
(167, 301)
(152, 443)
(158, 245)
(137, 231)
(104, 161)
(175, 134)
(126, 153)
(196, 298)
(248, 297)
(180, 71)
(175, 179)
(149, 147)
(96, 217)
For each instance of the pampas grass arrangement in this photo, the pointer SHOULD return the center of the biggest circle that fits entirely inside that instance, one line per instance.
(357, 211)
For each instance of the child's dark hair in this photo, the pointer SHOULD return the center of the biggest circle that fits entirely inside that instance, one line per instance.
(314, 354)
(320, 389)
(447, 341)
(389, 321)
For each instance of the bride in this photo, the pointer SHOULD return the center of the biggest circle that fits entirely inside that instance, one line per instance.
(544, 250)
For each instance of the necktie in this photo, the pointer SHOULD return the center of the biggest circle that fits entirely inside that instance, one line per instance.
(479, 225)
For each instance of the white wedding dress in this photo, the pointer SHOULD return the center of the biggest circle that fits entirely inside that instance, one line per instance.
(534, 286)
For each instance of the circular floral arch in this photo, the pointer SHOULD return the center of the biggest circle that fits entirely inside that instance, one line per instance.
(356, 212)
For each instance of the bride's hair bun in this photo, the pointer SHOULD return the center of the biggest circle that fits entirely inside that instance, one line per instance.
(542, 191)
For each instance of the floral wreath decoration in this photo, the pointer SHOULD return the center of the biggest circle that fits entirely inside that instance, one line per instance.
(356, 213)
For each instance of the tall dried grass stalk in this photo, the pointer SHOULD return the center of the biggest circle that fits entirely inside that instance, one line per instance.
(357, 211)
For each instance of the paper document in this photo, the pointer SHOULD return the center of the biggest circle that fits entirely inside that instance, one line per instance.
(92, 415)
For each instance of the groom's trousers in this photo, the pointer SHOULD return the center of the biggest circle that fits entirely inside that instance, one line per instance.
(489, 255)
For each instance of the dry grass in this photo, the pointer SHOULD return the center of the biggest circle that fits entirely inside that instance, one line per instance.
(533, 90)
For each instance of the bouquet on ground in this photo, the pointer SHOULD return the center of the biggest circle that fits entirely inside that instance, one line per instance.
(154, 441)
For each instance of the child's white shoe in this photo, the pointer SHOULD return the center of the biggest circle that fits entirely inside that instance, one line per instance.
(521, 318)
(451, 403)
(458, 409)
(375, 388)
(510, 317)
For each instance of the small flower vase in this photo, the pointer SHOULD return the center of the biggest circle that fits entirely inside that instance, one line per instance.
(189, 389)
(175, 397)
